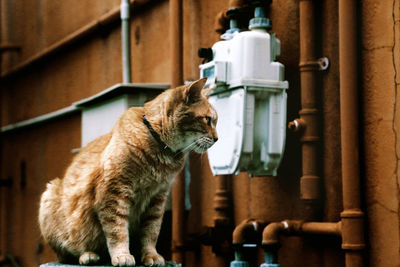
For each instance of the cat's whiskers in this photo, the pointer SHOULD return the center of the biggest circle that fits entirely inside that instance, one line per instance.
(197, 143)
(189, 148)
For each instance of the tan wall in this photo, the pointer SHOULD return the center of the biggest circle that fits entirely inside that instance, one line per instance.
(94, 64)
(380, 83)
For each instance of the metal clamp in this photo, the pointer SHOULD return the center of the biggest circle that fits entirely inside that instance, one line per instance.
(313, 65)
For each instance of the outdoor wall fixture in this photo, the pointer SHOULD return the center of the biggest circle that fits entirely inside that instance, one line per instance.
(101, 111)
(250, 99)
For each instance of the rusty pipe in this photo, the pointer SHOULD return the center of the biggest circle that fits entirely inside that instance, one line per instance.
(178, 219)
(245, 231)
(318, 228)
(272, 231)
(103, 22)
(352, 216)
(222, 20)
(310, 180)
(222, 202)
(270, 235)
(222, 220)
(178, 189)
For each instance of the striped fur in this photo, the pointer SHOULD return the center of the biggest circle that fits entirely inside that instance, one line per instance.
(119, 183)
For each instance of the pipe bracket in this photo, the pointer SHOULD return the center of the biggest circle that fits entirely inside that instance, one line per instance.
(296, 125)
(323, 63)
(320, 64)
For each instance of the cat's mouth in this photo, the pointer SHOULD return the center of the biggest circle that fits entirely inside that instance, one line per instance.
(202, 144)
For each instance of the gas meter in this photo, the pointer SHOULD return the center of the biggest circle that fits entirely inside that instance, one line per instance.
(250, 98)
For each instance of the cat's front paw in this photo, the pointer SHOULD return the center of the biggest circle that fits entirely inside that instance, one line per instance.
(153, 259)
(123, 260)
(88, 258)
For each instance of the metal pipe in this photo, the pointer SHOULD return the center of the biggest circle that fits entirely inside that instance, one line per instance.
(320, 228)
(223, 224)
(105, 21)
(178, 219)
(222, 20)
(245, 230)
(310, 180)
(178, 189)
(352, 216)
(126, 42)
(270, 235)
(222, 202)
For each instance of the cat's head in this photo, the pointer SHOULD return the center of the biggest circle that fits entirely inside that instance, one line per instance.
(195, 118)
(188, 120)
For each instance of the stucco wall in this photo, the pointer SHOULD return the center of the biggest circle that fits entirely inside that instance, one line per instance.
(32, 156)
(380, 116)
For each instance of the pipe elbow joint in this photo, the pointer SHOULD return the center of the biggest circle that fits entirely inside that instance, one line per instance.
(246, 230)
(270, 235)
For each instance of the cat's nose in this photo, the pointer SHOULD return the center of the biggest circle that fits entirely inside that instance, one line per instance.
(215, 139)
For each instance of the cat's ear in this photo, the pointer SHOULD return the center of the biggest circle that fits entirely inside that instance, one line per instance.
(192, 93)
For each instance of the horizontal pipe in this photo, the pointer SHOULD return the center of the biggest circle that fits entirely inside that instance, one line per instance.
(294, 227)
(319, 228)
(104, 22)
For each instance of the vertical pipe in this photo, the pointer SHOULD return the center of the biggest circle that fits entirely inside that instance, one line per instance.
(310, 180)
(352, 216)
(176, 42)
(178, 189)
(222, 202)
(222, 220)
(178, 226)
(126, 42)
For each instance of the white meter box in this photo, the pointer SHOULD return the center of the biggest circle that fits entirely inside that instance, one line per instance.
(251, 129)
(250, 99)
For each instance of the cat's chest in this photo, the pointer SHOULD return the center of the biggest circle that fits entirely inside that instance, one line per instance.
(143, 199)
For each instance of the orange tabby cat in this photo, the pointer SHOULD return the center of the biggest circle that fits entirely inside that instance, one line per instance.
(117, 186)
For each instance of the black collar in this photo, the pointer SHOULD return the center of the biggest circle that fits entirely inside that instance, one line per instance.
(157, 136)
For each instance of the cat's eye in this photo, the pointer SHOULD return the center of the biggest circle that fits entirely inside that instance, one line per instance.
(208, 120)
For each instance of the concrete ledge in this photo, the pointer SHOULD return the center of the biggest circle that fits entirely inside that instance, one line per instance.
(56, 264)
